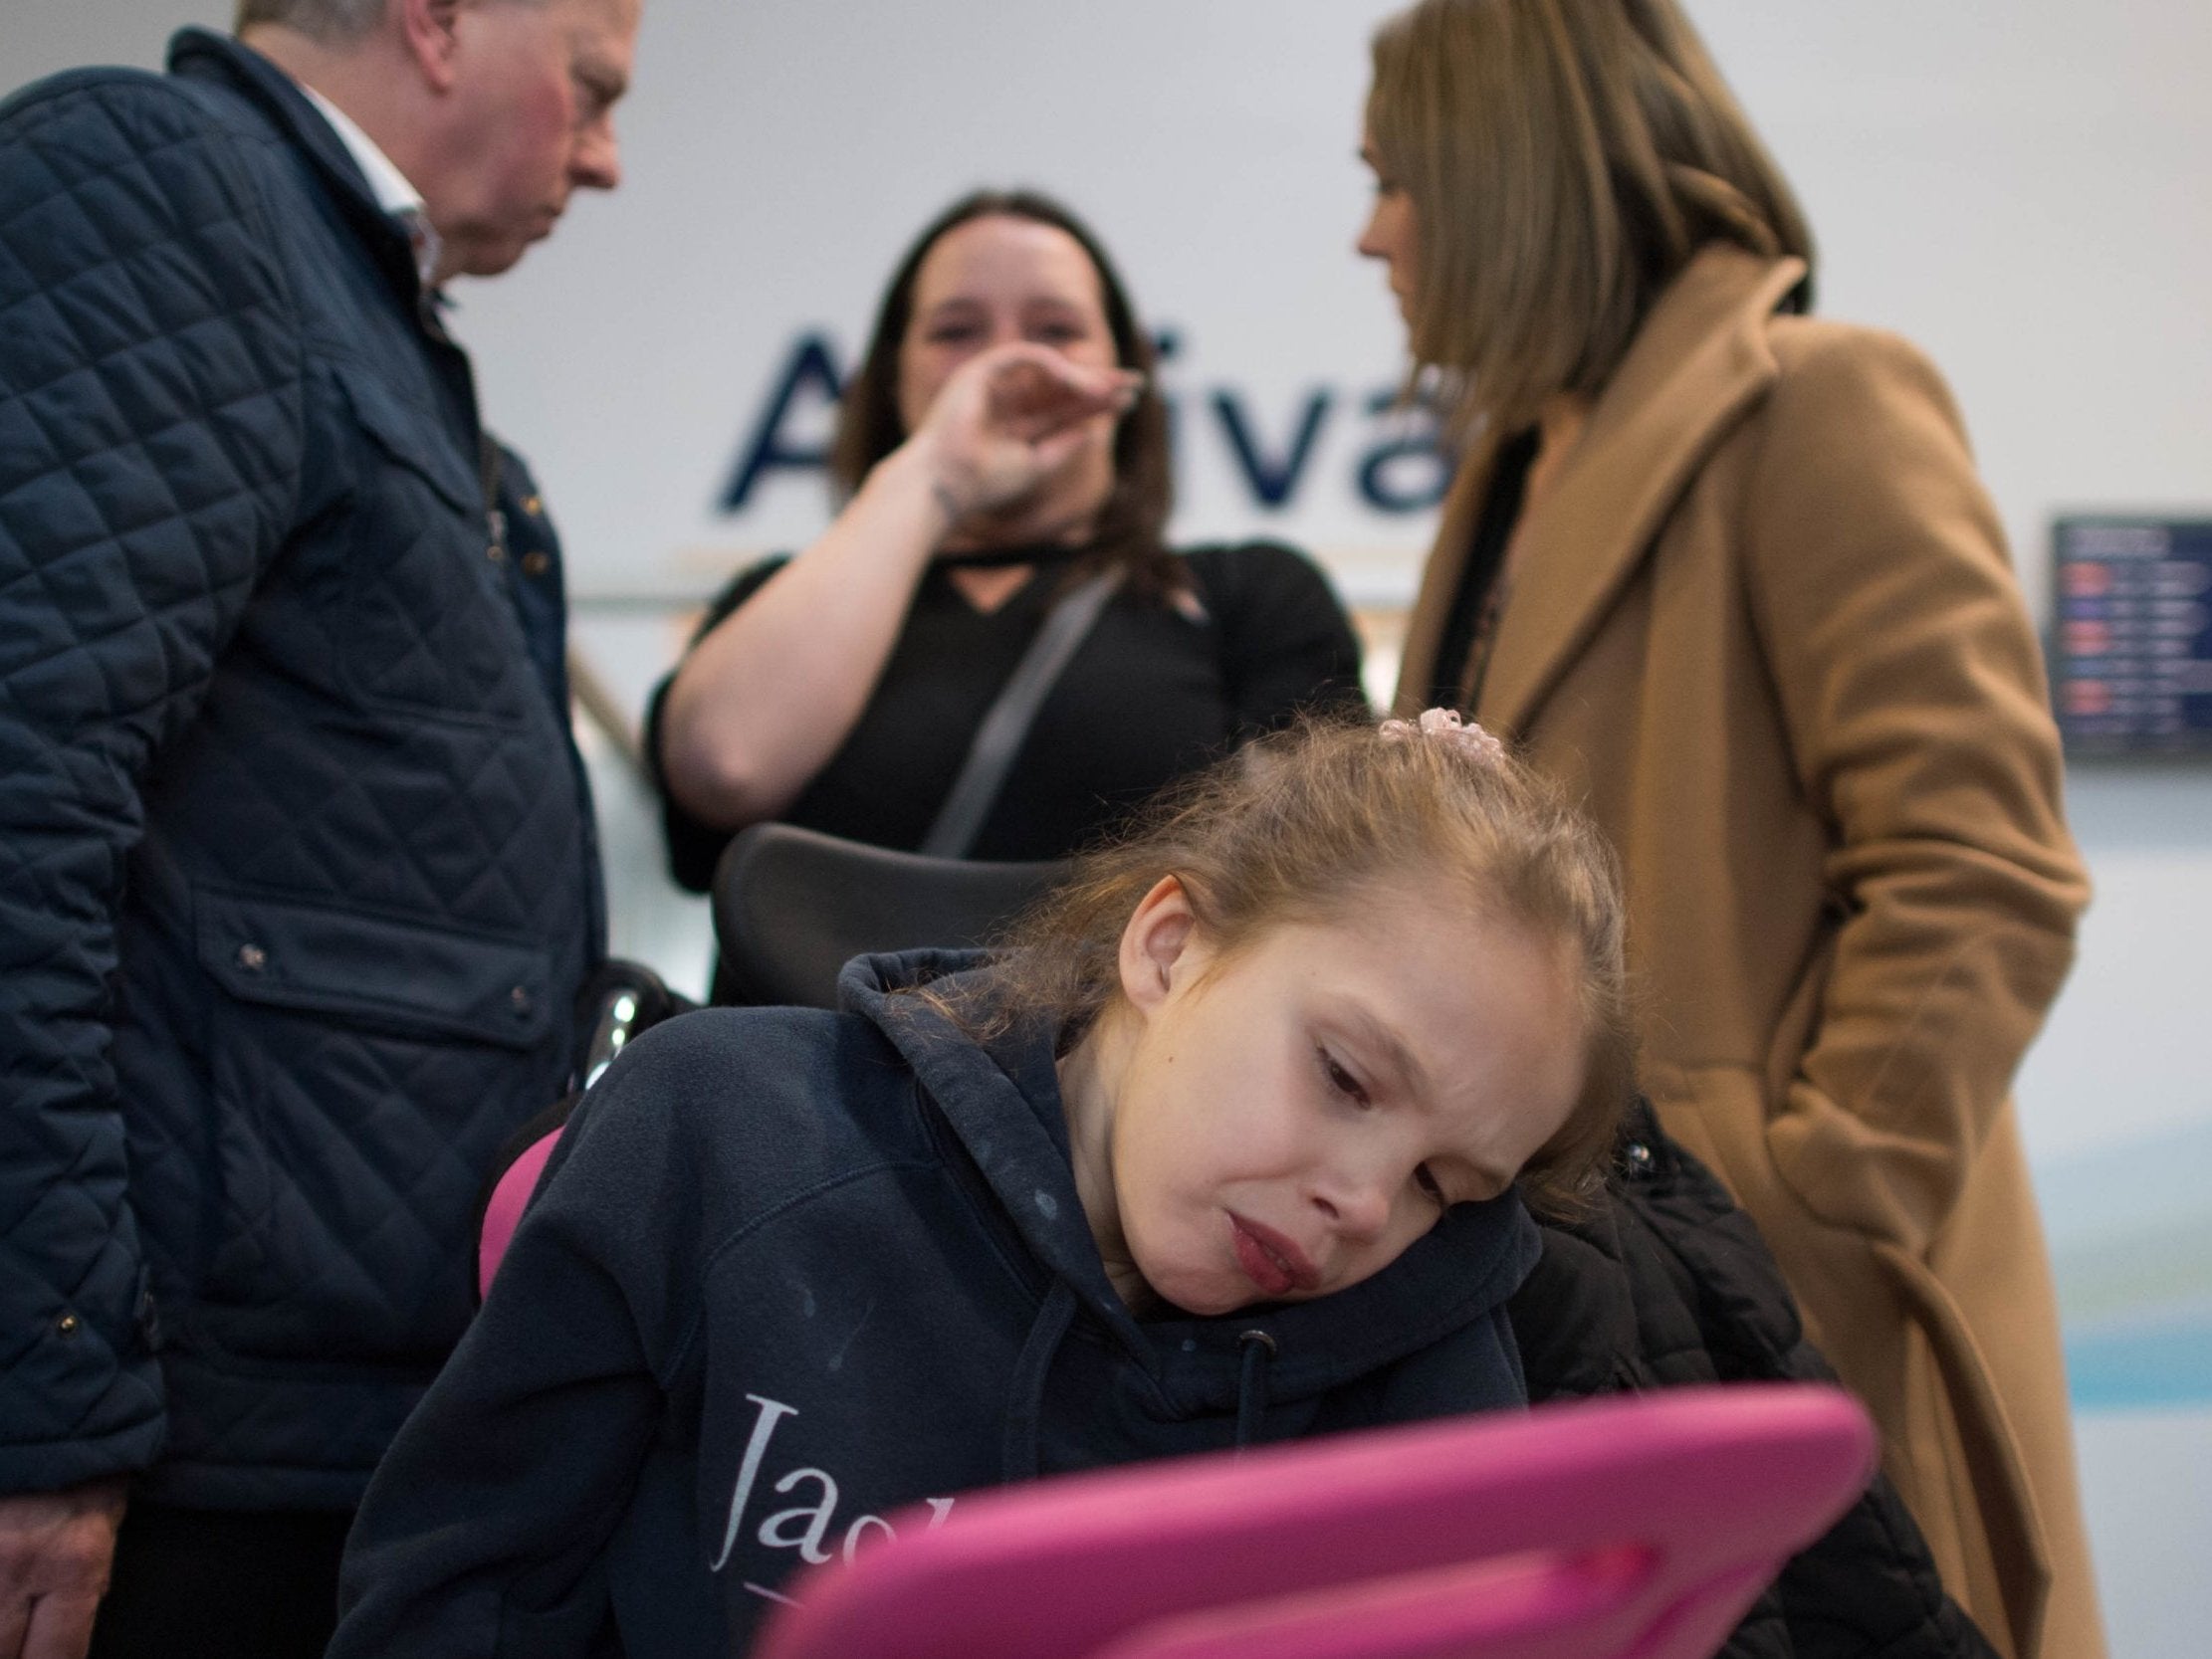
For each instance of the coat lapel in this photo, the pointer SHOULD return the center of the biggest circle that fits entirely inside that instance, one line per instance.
(1699, 361)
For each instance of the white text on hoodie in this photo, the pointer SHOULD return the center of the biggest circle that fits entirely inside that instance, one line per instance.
(776, 1531)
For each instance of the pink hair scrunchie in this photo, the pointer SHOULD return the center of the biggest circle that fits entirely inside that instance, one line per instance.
(1446, 725)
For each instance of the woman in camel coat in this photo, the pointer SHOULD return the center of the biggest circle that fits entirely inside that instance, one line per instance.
(1728, 570)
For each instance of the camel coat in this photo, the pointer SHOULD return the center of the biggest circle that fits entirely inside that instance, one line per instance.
(1763, 623)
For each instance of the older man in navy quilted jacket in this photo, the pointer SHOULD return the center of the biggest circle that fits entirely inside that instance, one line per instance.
(297, 878)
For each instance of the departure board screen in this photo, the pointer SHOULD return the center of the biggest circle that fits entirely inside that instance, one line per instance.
(2131, 635)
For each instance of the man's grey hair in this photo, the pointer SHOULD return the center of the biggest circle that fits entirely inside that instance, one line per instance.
(333, 22)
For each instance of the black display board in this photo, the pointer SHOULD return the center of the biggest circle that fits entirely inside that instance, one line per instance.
(2131, 635)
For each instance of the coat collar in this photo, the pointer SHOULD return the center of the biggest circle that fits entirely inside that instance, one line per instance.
(1699, 360)
(202, 55)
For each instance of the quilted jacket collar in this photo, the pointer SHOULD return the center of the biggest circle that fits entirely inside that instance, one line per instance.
(202, 56)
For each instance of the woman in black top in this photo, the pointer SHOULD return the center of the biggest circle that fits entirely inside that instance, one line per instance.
(1001, 443)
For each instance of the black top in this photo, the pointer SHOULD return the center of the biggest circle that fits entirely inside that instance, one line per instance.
(1462, 654)
(1159, 688)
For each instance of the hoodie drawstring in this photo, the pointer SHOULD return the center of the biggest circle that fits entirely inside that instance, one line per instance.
(1017, 1452)
(1251, 1383)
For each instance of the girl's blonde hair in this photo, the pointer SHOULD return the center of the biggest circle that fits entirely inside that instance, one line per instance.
(1565, 159)
(1309, 823)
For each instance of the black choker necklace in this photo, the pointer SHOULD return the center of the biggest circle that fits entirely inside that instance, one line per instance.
(995, 558)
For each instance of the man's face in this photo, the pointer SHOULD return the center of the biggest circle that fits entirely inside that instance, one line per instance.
(530, 118)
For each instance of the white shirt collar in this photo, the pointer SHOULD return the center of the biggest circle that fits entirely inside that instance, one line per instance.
(386, 182)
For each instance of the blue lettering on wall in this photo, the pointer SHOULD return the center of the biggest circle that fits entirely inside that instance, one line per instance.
(810, 369)
(1273, 478)
(1403, 469)
(1407, 472)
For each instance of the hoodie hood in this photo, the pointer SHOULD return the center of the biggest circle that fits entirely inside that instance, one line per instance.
(1000, 1101)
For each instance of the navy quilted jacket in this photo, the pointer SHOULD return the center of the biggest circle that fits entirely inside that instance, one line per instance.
(296, 879)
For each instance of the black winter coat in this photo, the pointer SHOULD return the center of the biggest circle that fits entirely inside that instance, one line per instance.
(1667, 1283)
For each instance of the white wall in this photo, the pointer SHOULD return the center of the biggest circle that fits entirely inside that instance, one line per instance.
(2025, 188)
(2019, 187)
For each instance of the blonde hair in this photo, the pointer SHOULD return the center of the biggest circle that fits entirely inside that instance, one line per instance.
(1565, 159)
(1305, 824)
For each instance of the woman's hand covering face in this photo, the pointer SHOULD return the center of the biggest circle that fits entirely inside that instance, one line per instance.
(1012, 416)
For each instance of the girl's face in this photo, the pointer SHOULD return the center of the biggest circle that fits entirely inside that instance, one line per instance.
(1284, 1122)
(1002, 278)
(1391, 233)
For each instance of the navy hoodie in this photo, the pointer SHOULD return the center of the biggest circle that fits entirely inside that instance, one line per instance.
(793, 1271)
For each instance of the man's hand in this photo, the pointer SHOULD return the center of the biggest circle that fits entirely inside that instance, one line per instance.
(55, 1552)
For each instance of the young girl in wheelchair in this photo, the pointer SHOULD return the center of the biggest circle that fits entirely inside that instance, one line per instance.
(1229, 1142)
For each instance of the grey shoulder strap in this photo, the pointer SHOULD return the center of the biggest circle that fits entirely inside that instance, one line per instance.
(984, 772)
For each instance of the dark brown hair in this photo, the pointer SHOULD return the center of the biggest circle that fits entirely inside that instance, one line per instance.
(1131, 526)
(1565, 158)
(1305, 825)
